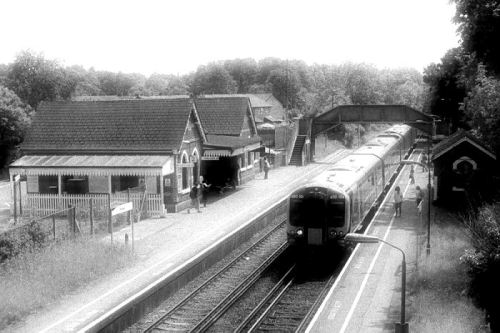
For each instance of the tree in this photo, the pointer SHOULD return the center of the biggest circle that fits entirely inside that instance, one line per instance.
(447, 88)
(166, 84)
(14, 119)
(243, 72)
(35, 79)
(118, 84)
(286, 88)
(479, 26)
(482, 106)
(212, 79)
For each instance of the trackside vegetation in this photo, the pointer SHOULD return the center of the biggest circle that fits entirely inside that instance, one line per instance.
(439, 300)
(39, 276)
(482, 260)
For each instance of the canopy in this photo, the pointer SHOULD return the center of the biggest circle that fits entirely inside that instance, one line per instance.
(94, 165)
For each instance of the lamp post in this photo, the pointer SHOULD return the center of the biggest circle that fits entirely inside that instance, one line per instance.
(402, 326)
(432, 125)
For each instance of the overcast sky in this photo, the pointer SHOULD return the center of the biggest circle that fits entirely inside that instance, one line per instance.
(176, 36)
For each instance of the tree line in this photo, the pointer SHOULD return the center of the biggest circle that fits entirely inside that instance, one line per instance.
(301, 88)
(464, 88)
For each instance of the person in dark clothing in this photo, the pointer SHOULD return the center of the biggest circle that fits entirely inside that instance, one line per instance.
(204, 191)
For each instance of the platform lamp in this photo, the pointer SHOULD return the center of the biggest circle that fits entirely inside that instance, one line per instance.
(429, 143)
(402, 326)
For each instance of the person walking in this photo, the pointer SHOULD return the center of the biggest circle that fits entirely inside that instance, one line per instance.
(419, 197)
(398, 201)
(204, 191)
(194, 195)
(424, 161)
(267, 166)
(412, 175)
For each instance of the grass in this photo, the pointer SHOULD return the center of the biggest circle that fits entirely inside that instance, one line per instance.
(438, 289)
(37, 278)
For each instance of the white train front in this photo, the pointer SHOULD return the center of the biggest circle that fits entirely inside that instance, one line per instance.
(336, 201)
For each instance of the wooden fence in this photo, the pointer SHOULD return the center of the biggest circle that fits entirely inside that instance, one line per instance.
(36, 205)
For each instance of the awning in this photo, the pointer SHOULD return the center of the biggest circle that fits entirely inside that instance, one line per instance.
(94, 165)
(216, 153)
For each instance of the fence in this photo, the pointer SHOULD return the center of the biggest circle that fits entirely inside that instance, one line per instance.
(34, 233)
(95, 206)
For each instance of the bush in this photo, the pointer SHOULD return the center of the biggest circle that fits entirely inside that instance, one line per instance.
(25, 238)
(483, 261)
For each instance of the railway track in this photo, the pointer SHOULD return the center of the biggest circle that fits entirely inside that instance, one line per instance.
(203, 306)
(288, 306)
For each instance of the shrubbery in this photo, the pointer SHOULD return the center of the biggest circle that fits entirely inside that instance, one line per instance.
(26, 238)
(483, 261)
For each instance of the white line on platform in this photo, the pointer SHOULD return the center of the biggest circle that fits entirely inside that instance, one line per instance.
(162, 262)
(330, 292)
(372, 264)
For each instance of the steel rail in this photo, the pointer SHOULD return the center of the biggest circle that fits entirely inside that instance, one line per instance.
(186, 299)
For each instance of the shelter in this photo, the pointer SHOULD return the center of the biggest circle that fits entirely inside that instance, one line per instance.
(463, 168)
(95, 150)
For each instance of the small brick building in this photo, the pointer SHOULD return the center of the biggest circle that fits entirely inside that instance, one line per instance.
(463, 168)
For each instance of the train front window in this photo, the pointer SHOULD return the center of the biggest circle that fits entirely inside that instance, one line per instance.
(310, 211)
(336, 212)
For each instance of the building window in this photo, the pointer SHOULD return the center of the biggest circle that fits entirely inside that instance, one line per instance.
(122, 183)
(47, 185)
(185, 172)
(250, 159)
(75, 184)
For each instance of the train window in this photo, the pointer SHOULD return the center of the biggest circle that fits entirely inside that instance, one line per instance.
(308, 211)
(336, 212)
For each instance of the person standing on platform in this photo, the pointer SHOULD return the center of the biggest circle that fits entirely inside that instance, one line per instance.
(398, 201)
(412, 175)
(194, 195)
(419, 197)
(424, 161)
(267, 166)
(204, 191)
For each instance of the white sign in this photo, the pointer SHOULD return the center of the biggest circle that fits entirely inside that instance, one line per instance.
(122, 208)
(17, 178)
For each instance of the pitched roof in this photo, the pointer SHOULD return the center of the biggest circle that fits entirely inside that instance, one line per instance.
(121, 125)
(277, 110)
(454, 140)
(222, 115)
(230, 141)
(255, 100)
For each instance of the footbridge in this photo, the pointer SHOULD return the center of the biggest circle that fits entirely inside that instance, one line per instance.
(311, 127)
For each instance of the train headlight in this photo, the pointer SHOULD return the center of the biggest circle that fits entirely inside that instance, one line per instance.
(333, 234)
(300, 232)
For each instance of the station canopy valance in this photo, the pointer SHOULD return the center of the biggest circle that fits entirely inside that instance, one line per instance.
(225, 145)
(94, 165)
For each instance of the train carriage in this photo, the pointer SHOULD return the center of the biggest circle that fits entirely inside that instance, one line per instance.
(335, 202)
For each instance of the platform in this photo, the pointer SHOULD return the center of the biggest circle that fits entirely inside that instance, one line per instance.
(164, 246)
(367, 294)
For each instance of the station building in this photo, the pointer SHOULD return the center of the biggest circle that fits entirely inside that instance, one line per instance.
(95, 150)
(463, 168)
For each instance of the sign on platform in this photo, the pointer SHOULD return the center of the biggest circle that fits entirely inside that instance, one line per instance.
(122, 208)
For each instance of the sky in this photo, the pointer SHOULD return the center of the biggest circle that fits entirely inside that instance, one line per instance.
(177, 36)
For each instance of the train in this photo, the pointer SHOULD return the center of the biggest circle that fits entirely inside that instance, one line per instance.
(335, 202)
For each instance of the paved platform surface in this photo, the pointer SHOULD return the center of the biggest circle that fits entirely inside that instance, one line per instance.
(165, 245)
(367, 294)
